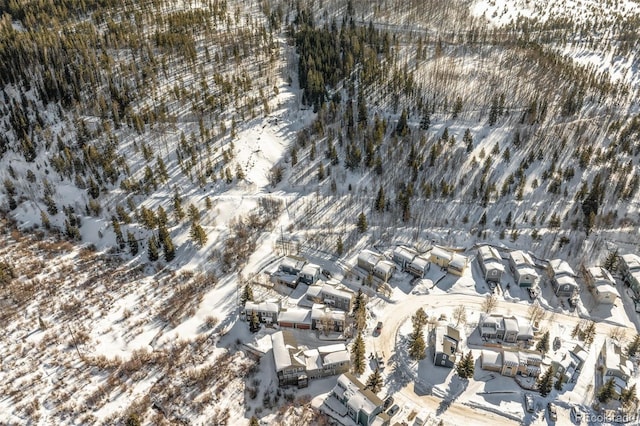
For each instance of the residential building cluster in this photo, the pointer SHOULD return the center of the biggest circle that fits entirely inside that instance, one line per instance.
(295, 365)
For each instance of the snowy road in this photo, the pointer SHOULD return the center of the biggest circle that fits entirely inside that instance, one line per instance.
(396, 314)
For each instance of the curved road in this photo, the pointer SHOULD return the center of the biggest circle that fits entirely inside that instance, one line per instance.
(396, 314)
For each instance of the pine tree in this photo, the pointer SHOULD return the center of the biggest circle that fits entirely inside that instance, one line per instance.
(402, 128)
(425, 122)
(466, 366)
(611, 261)
(177, 206)
(198, 235)
(194, 213)
(152, 249)
(161, 216)
(417, 345)
(294, 156)
(254, 322)
(357, 354)
(254, 421)
(380, 200)
(133, 243)
(543, 343)
(634, 346)
(545, 382)
(320, 172)
(420, 318)
(467, 139)
(169, 249)
(362, 223)
(374, 381)
(116, 228)
(339, 246)
(628, 396)
(247, 294)
(607, 391)
(559, 383)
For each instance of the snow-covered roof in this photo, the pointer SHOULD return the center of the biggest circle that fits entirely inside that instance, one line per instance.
(527, 270)
(295, 315)
(336, 357)
(600, 274)
(332, 348)
(488, 320)
(491, 359)
(614, 358)
(271, 307)
(292, 263)
(358, 398)
(605, 287)
(458, 261)
(579, 353)
(312, 360)
(487, 253)
(632, 261)
(404, 253)
(281, 354)
(510, 358)
(367, 256)
(314, 291)
(525, 330)
(494, 264)
(520, 258)
(444, 331)
(529, 358)
(385, 267)
(310, 269)
(318, 314)
(561, 267)
(511, 325)
(419, 263)
(441, 253)
(284, 277)
(566, 280)
(324, 290)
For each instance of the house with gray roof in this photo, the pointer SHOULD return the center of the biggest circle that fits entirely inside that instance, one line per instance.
(362, 406)
(523, 269)
(490, 263)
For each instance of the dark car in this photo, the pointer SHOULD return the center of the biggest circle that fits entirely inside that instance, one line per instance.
(387, 403)
(379, 326)
(393, 410)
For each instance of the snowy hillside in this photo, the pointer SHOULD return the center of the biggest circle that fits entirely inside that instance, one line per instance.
(181, 146)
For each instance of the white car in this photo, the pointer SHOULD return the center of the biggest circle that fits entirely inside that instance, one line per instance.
(528, 402)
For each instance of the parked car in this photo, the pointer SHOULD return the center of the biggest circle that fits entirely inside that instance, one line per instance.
(379, 327)
(528, 402)
(421, 418)
(393, 410)
(387, 403)
(553, 411)
(556, 343)
(576, 414)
